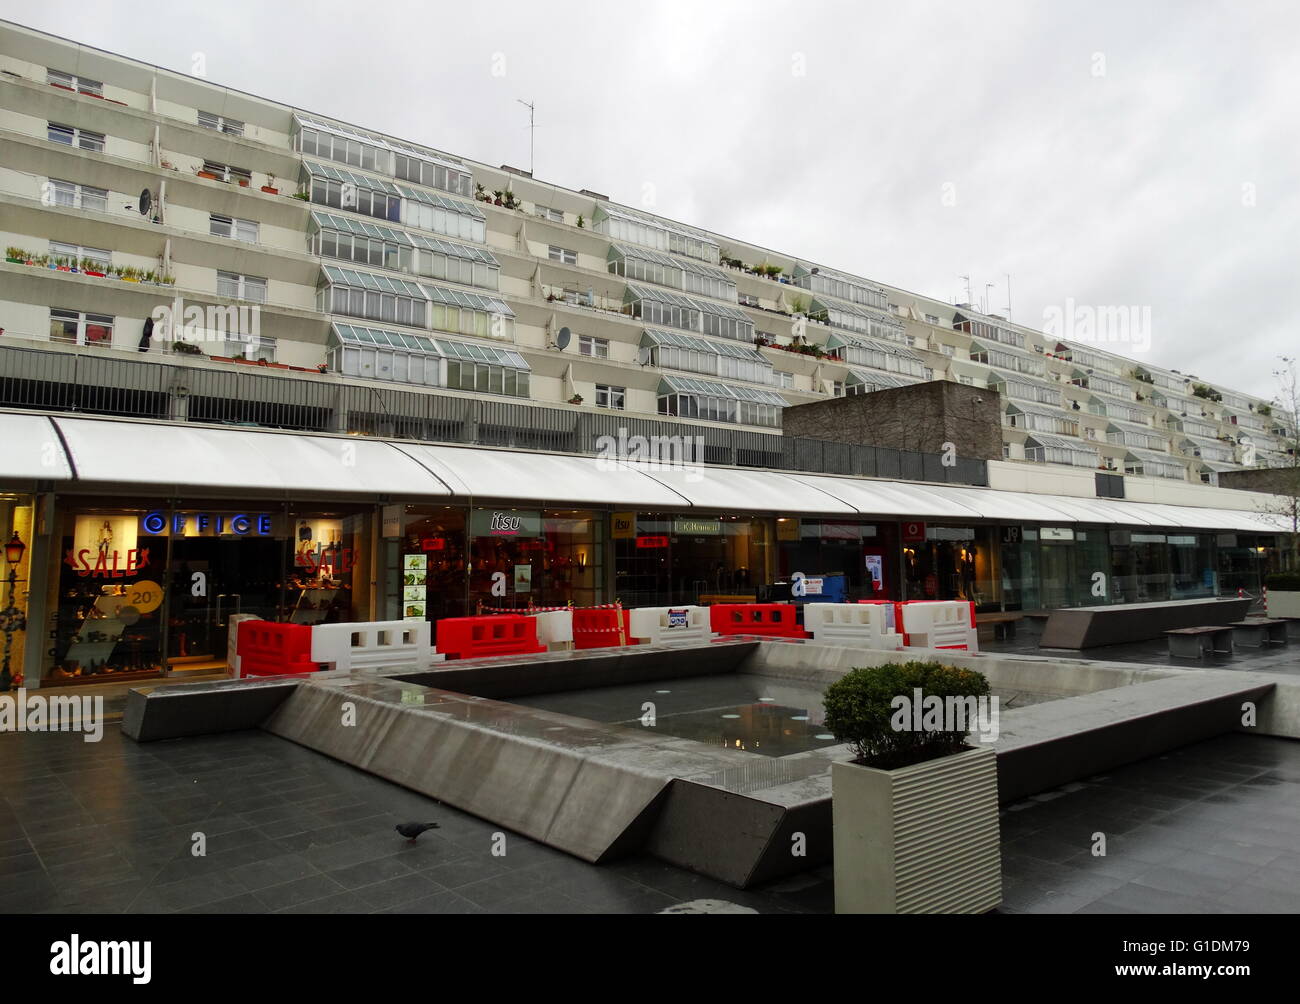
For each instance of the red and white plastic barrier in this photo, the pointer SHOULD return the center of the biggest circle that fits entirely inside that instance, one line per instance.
(687, 625)
(374, 645)
(862, 625)
(938, 624)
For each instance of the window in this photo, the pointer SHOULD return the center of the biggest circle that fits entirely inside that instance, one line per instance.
(74, 83)
(241, 287)
(221, 124)
(747, 299)
(81, 328)
(610, 397)
(554, 215)
(597, 348)
(931, 319)
(75, 254)
(357, 198)
(83, 139)
(784, 379)
(240, 230)
(562, 255)
(432, 175)
(74, 196)
(224, 172)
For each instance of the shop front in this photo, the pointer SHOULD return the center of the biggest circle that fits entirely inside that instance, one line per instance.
(952, 563)
(662, 558)
(453, 561)
(149, 588)
(838, 560)
(17, 522)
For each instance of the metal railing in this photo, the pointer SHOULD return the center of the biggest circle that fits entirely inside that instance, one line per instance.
(94, 384)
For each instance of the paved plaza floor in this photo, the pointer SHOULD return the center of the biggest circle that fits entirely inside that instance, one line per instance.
(107, 827)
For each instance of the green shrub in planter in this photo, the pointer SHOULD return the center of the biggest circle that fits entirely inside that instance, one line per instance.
(860, 711)
(1283, 582)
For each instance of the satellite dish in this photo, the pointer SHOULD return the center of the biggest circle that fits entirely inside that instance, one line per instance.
(562, 339)
(146, 202)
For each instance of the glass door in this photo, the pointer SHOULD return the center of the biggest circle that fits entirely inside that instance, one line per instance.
(213, 578)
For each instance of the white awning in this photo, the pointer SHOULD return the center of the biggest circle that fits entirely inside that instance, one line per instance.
(201, 456)
(888, 498)
(729, 490)
(32, 451)
(105, 451)
(538, 477)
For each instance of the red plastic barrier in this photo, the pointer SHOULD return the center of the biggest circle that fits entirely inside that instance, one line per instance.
(773, 620)
(268, 648)
(599, 627)
(493, 634)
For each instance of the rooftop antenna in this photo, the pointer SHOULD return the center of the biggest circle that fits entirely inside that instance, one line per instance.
(1008, 275)
(968, 293)
(987, 301)
(531, 131)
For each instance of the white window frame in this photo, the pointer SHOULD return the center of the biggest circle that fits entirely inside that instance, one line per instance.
(563, 255)
(245, 287)
(80, 139)
(82, 319)
(220, 123)
(82, 85)
(593, 346)
(61, 249)
(84, 197)
(241, 230)
(614, 398)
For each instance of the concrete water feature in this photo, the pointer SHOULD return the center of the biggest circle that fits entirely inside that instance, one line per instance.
(498, 738)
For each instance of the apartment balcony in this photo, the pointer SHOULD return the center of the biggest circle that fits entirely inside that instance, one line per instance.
(176, 388)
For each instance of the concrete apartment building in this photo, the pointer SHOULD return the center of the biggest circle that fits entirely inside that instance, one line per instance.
(192, 261)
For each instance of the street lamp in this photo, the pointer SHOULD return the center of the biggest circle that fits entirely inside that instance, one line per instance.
(11, 618)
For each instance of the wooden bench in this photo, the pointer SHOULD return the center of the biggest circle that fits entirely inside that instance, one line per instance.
(1001, 626)
(1259, 632)
(1198, 642)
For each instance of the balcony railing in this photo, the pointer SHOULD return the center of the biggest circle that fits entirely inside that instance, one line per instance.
(84, 383)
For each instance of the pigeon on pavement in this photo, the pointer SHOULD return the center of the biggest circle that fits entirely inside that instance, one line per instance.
(412, 830)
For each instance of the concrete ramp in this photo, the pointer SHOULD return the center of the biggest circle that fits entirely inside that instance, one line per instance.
(585, 788)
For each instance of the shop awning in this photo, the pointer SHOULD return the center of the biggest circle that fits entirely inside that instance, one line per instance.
(32, 451)
(104, 451)
(728, 490)
(502, 474)
(201, 456)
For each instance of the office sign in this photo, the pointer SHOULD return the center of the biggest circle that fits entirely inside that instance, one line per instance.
(207, 524)
(697, 527)
(505, 523)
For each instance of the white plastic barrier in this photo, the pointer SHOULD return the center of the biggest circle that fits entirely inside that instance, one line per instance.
(555, 629)
(685, 625)
(939, 624)
(232, 643)
(865, 625)
(374, 645)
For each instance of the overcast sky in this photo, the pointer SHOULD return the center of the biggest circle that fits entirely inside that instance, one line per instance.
(1109, 154)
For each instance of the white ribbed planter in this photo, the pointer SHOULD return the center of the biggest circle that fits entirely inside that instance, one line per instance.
(1283, 604)
(920, 839)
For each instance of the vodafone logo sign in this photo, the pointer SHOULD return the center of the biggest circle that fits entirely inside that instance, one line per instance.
(913, 531)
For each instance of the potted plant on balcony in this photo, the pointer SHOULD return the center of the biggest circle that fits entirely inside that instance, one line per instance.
(203, 172)
(480, 193)
(576, 399)
(915, 815)
(130, 274)
(269, 188)
(16, 255)
(581, 222)
(498, 197)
